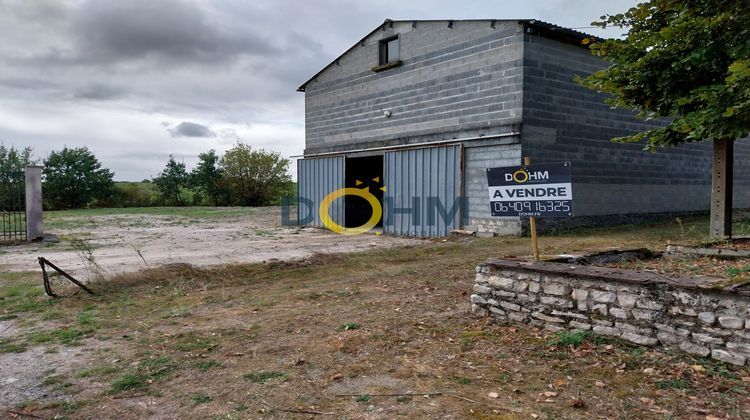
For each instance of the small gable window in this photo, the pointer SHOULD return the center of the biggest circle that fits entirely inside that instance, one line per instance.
(389, 51)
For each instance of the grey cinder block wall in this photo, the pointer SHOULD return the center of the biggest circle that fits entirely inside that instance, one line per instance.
(505, 89)
(564, 121)
(457, 82)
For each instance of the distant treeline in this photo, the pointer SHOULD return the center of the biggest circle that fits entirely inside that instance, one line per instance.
(74, 178)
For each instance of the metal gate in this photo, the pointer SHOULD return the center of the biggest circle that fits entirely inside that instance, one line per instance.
(423, 191)
(12, 208)
(316, 179)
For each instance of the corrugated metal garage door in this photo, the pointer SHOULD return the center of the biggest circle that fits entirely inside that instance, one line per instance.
(417, 177)
(317, 178)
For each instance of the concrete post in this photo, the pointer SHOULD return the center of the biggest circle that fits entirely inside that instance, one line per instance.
(721, 189)
(34, 229)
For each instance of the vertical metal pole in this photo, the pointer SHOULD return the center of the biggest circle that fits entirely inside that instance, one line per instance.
(532, 225)
(34, 228)
(721, 189)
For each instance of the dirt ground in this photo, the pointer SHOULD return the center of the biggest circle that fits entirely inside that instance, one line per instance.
(115, 243)
(382, 333)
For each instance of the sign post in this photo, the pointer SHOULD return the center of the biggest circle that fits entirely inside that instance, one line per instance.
(531, 191)
(532, 224)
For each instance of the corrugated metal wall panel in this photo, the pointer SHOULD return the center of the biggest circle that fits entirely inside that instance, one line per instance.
(317, 178)
(411, 178)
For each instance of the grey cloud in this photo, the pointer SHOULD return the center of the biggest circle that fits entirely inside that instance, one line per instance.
(191, 129)
(25, 83)
(99, 92)
(168, 31)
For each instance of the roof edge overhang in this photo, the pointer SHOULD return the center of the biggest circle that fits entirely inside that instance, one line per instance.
(532, 26)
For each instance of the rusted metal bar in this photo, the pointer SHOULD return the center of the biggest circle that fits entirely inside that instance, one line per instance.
(43, 262)
(45, 277)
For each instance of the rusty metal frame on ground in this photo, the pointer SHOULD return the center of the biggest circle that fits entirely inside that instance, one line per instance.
(47, 288)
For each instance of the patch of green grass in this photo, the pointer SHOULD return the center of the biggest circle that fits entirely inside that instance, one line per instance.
(466, 343)
(52, 380)
(199, 398)
(570, 338)
(157, 367)
(462, 380)
(363, 398)
(737, 271)
(71, 406)
(22, 294)
(128, 382)
(190, 342)
(8, 346)
(206, 365)
(263, 376)
(349, 326)
(672, 384)
(56, 382)
(49, 315)
(716, 368)
(87, 319)
(148, 370)
(65, 336)
(8, 317)
(69, 219)
(176, 313)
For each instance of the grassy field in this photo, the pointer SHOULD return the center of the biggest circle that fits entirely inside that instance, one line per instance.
(67, 219)
(330, 335)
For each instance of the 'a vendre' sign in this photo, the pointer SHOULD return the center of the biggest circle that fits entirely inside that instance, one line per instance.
(542, 190)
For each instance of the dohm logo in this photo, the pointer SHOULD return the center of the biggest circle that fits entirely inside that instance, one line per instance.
(325, 218)
(523, 175)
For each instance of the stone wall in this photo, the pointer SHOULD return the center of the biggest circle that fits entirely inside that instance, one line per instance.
(640, 307)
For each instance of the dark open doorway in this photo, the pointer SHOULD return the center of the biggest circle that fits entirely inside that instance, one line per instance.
(362, 172)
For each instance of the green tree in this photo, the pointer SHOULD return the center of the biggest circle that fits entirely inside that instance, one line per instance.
(12, 162)
(74, 178)
(171, 181)
(207, 177)
(687, 62)
(254, 177)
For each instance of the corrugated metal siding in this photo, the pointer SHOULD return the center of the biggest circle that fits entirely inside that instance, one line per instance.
(421, 173)
(317, 178)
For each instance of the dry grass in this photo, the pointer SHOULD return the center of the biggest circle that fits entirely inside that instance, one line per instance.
(281, 340)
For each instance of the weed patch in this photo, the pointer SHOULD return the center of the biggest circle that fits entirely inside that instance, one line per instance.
(199, 398)
(191, 342)
(265, 376)
(65, 336)
(128, 382)
(737, 271)
(363, 398)
(672, 384)
(207, 365)
(570, 338)
(8, 346)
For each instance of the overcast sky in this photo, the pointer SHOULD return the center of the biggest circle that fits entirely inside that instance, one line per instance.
(137, 80)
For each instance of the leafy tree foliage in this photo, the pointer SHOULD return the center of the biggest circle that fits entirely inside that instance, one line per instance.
(208, 178)
(74, 178)
(12, 162)
(687, 61)
(254, 177)
(171, 181)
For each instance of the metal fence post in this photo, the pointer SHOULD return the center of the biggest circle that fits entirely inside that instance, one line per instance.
(34, 230)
